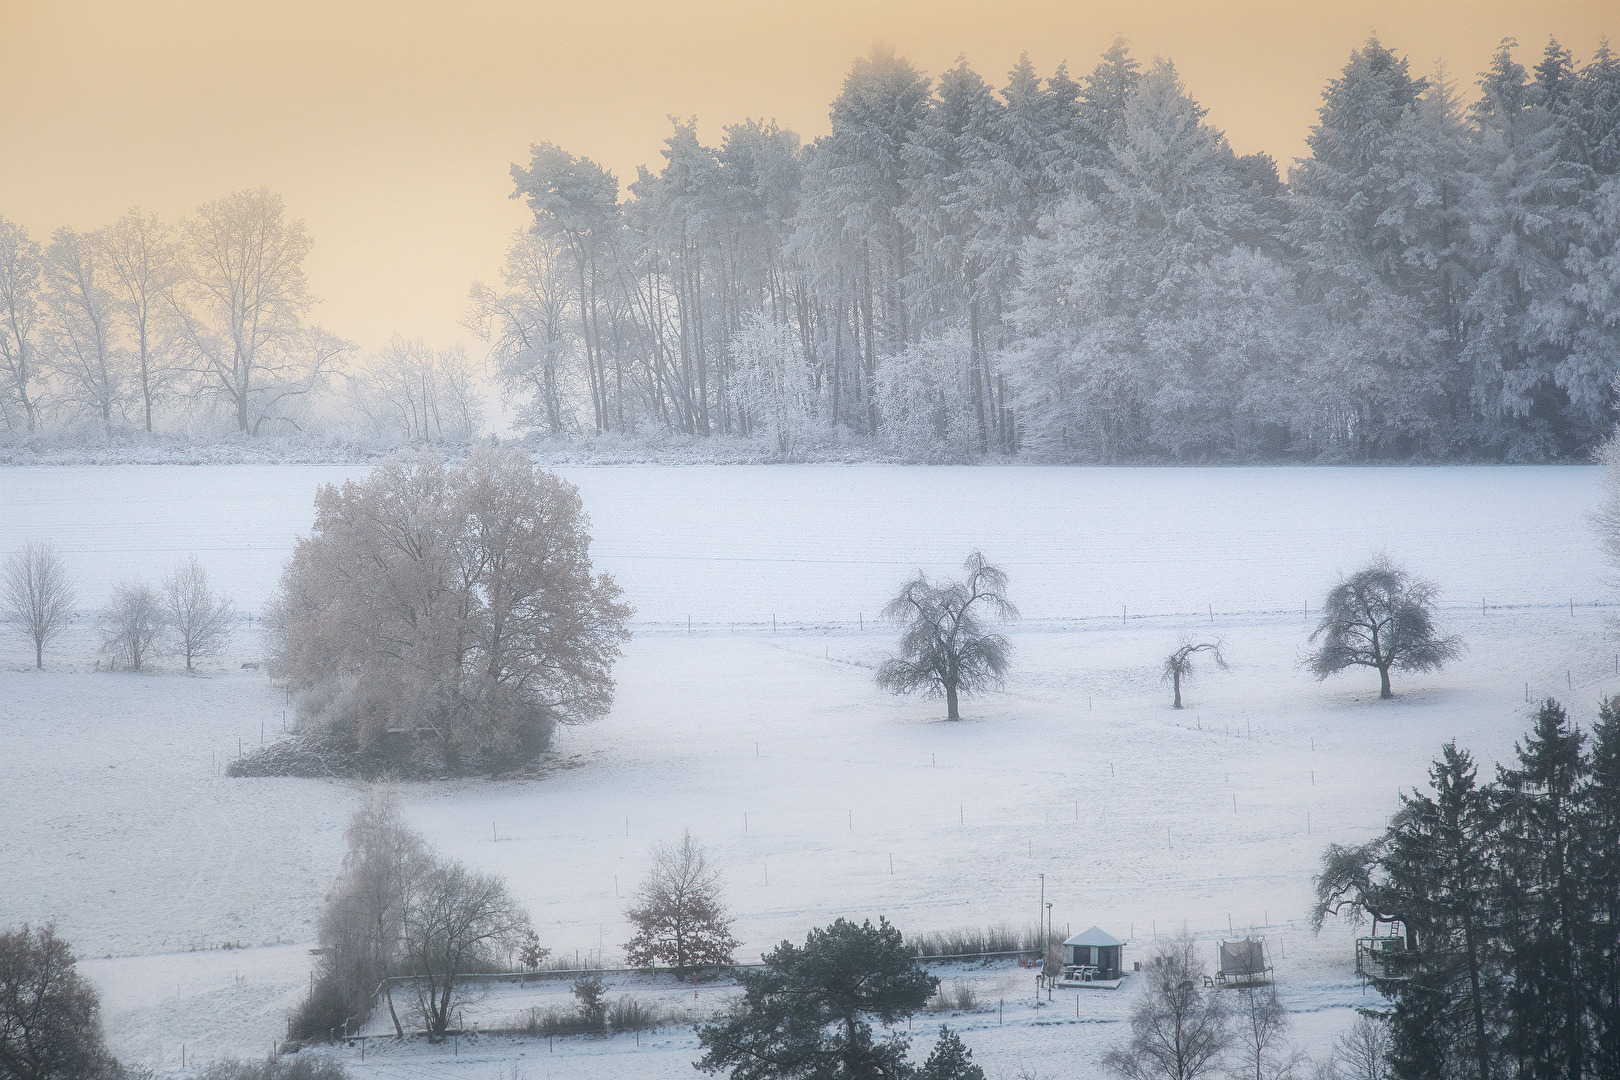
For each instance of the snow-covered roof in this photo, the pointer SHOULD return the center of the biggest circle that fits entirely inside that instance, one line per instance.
(1093, 937)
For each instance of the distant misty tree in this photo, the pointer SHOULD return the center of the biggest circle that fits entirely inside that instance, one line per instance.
(241, 309)
(1178, 666)
(1179, 1030)
(361, 929)
(808, 1011)
(131, 625)
(198, 621)
(84, 352)
(1380, 617)
(946, 647)
(453, 605)
(410, 392)
(679, 913)
(50, 1016)
(145, 264)
(36, 597)
(526, 323)
(19, 325)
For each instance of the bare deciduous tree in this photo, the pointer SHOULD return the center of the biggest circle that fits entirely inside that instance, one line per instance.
(1260, 1036)
(524, 325)
(679, 914)
(19, 321)
(36, 598)
(146, 265)
(946, 648)
(1179, 1030)
(418, 394)
(242, 310)
(130, 624)
(455, 603)
(83, 351)
(50, 1017)
(455, 919)
(362, 927)
(1178, 666)
(1362, 1053)
(1380, 617)
(198, 622)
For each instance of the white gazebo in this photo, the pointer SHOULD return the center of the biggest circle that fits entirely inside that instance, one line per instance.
(1092, 955)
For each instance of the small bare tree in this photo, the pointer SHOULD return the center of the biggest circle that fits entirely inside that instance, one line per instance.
(946, 648)
(198, 622)
(1179, 1030)
(1362, 1053)
(1260, 1036)
(130, 625)
(36, 599)
(455, 919)
(1178, 666)
(679, 915)
(1381, 617)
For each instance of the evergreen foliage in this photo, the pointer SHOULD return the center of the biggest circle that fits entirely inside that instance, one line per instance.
(1505, 892)
(808, 1013)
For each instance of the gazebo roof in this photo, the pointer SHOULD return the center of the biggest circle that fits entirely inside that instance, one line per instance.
(1094, 937)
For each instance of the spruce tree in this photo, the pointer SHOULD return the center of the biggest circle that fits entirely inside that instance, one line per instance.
(1439, 858)
(950, 1059)
(1600, 968)
(1543, 922)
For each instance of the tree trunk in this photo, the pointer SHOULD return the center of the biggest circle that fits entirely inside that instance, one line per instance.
(1383, 683)
(950, 702)
(1175, 677)
(39, 654)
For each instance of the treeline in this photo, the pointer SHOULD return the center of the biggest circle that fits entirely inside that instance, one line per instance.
(1083, 269)
(203, 327)
(1508, 893)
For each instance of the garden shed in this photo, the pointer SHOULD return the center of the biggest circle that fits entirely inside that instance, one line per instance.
(1092, 954)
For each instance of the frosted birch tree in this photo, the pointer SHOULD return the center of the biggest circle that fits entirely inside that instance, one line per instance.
(36, 596)
(145, 265)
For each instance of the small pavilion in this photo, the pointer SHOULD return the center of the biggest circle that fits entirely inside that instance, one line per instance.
(1092, 954)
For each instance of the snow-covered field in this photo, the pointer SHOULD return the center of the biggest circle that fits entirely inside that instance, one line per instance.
(1142, 819)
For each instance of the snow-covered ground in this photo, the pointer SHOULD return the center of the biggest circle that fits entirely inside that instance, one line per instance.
(1142, 819)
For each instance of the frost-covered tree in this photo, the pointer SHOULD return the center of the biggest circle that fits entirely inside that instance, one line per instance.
(680, 913)
(19, 325)
(145, 264)
(454, 604)
(414, 393)
(531, 342)
(947, 647)
(775, 387)
(455, 920)
(1260, 1028)
(1380, 617)
(36, 596)
(925, 395)
(1178, 666)
(83, 350)
(131, 625)
(1179, 1030)
(1362, 1053)
(197, 620)
(241, 310)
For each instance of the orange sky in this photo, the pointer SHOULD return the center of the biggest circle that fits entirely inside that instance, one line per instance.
(390, 126)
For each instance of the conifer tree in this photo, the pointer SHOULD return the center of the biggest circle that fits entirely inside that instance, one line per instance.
(1543, 919)
(1600, 969)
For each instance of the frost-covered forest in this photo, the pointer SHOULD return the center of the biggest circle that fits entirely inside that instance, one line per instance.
(1071, 267)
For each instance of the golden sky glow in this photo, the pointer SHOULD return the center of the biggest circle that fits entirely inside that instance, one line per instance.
(390, 127)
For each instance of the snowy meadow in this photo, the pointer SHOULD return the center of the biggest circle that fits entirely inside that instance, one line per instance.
(746, 711)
